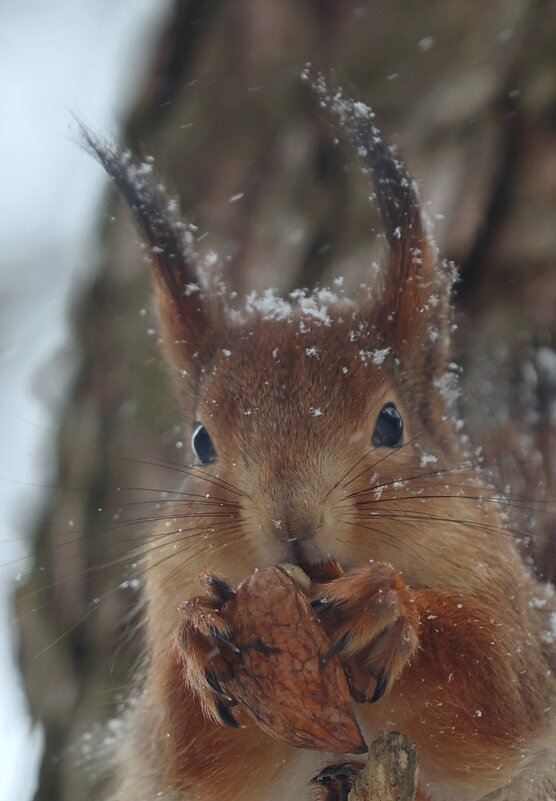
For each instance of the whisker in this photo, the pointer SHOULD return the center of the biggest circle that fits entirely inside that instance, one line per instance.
(455, 496)
(73, 627)
(165, 491)
(190, 470)
(401, 448)
(203, 500)
(407, 479)
(392, 540)
(458, 521)
(193, 556)
(346, 474)
(387, 535)
(96, 604)
(82, 536)
(132, 555)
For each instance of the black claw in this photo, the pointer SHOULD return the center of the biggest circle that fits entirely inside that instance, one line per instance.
(224, 590)
(381, 687)
(222, 639)
(322, 604)
(213, 682)
(357, 695)
(215, 685)
(226, 716)
(338, 646)
(338, 780)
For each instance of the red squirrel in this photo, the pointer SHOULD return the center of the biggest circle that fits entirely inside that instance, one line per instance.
(322, 433)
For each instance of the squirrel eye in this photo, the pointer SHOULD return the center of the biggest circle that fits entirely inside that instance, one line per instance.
(202, 445)
(389, 427)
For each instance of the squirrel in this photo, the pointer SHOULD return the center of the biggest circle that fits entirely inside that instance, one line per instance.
(323, 432)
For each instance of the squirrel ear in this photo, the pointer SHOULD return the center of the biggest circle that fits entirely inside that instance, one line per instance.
(184, 311)
(415, 309)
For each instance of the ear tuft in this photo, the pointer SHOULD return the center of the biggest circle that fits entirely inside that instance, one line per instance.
(182, 304)
(415, 306)
(167, 237)
(396, 191)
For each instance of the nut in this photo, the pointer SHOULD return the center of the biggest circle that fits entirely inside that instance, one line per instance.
(284, 675)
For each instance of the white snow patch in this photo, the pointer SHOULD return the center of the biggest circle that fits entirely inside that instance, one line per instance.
(378, 356)
(269, 305)
(313, 305)
(448, 387)
(425, 44)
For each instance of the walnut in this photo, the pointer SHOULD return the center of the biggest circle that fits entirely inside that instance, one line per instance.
(283, 674)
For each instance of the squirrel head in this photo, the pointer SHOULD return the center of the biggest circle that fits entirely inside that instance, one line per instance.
(323, 419)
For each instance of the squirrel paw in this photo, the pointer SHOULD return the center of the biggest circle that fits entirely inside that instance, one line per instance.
(200, 640)
(369, 613)
(335, 781)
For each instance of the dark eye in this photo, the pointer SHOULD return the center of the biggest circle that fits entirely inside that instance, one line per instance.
(389, 427)
(202, 445)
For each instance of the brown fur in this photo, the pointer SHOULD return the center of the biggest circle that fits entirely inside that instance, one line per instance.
(435, 601)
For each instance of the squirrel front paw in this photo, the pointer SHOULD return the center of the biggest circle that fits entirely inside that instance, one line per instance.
(370, 614)
(335, 781)
(200, 640)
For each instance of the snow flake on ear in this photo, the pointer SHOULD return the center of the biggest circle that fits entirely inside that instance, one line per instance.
(316, 412)
(269, 305)
(312, 306)
(448, 387)
(376, 357)
(549, 636)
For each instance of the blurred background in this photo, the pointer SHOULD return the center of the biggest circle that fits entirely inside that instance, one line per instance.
(211, 90)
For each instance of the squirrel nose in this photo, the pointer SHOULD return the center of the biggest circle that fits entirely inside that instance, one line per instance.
(290, 530)
(292, 509)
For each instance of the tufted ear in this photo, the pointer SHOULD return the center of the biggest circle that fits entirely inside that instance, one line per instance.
(186, 313)
(415, 307)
